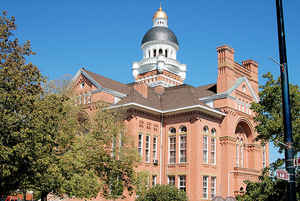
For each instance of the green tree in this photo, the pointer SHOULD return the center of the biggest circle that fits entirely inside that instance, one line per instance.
(268, 112)
(269, 121)
(47, 143)
(163, 193)
(268, 188)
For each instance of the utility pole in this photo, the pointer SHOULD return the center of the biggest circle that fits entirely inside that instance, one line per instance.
(288, 136)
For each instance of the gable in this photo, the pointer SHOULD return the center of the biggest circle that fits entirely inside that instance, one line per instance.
(242, 88)
(101, 84)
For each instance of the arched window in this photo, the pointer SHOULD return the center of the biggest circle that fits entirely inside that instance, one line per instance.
(213, 147)
(205, 130)
(172, 130)
(154, 53)
(160, 52)
(183, 129)
(205, 144)
(213, 132)
(166, 52)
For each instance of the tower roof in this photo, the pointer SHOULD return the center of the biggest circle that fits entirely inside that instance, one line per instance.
(160, 34)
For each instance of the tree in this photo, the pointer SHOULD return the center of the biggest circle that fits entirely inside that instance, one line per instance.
(268, 110)
(268, 188)
(47, 143)
(163, 193)
(269, 123)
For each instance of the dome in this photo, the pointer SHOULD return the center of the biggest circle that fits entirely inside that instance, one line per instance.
(160, 34)
(160, 14)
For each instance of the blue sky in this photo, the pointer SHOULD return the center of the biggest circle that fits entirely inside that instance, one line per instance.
(105, 36)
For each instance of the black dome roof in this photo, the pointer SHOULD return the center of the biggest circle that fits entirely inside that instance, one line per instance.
(160, 33)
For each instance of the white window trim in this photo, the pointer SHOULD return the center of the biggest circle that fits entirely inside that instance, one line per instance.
(149, 149)
(155, 147)
(205, 187)
(179, 154)
(169, 151)
(181, 176)
(213, 187)
(140, 148)
(205, 161)
(213, 139)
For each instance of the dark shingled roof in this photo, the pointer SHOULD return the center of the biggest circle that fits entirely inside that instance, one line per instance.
(108, 83)
(160, 34)
(173, 97)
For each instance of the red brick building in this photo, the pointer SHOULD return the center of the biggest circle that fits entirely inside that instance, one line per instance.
(200, 139)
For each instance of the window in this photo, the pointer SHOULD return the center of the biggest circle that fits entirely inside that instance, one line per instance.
(213, 187)
(183, 129)
(154, 148)
(244, 88)
(82, 84)
(264, 156)
(213, 150)
(154, 178)
(140, 145)
(113, 147)
(237, 155)
(84, 98)
(79, 99)
(205, 130)
(205, 186)
(89, 99)
(171, 180)
(182, 182)
(172, 130)
(205, 149)
(213, 132)
(242, 155)
(182, 149)
(154, 53)
(160, 52)
(147, 148)
(166, 53)
(172, 149)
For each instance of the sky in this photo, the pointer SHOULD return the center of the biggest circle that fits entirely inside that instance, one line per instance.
(105, 36)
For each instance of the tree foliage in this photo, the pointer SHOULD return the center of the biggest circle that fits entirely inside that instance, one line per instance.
(268, 111)
(163, 193)
(268, 188)
(47, 143)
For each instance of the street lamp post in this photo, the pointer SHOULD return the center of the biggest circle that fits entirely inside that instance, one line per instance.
(288, 137)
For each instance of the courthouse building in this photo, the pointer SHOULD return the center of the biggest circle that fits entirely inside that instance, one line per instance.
(200, 139)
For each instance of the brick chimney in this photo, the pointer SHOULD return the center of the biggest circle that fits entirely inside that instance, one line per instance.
(252, 66)
(225, 68)
(141, 88)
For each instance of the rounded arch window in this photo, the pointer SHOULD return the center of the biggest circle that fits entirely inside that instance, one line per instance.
(205, 130)
(154, 52)
(160, 51)
(183, 129)
(172, 130)
(213, 132)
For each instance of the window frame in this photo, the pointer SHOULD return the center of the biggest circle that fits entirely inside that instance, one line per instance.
(173, 151)
(182, 149)
(148, 148)
(140, 144)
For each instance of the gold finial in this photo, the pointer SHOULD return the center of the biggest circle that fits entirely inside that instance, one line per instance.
(160, 13)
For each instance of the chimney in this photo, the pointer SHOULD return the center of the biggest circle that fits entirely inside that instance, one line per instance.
(142, 88)
(225, 55)
(252, 66)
